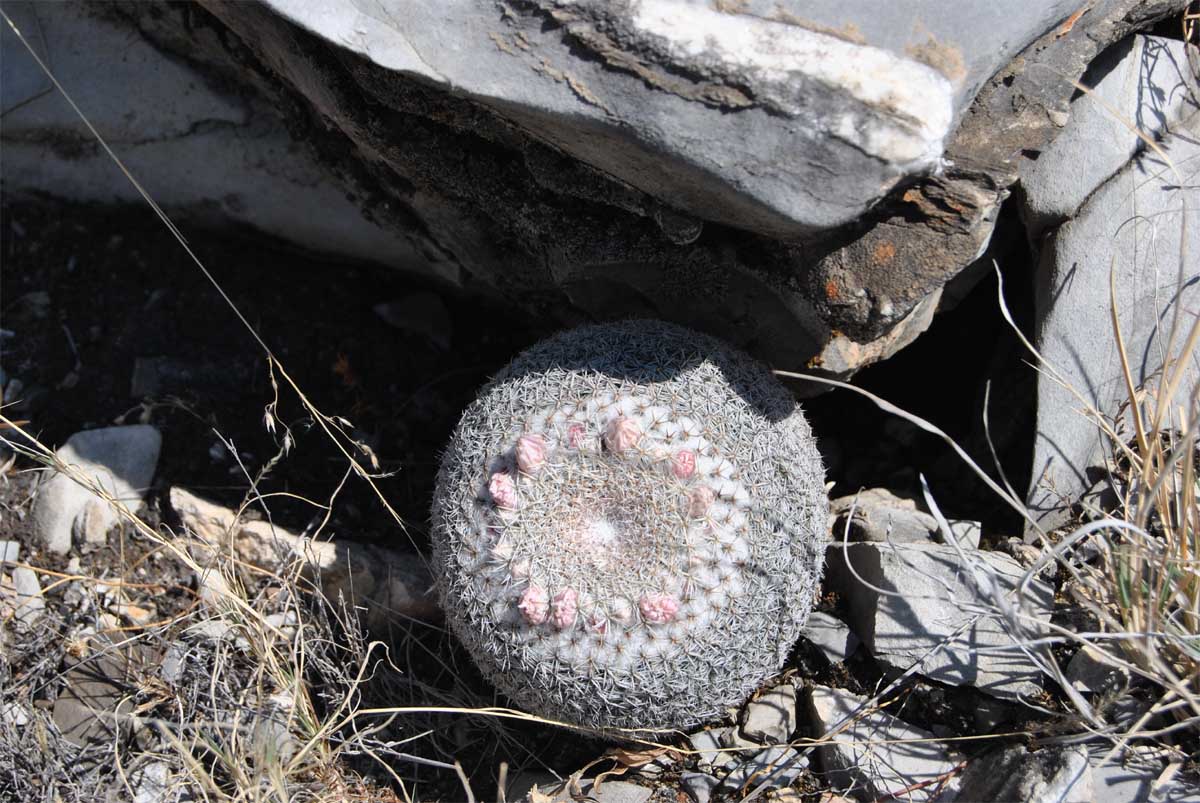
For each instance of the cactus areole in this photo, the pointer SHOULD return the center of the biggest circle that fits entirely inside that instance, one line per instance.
(629, 526)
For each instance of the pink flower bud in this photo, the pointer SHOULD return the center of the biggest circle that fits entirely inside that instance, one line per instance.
(700, 501)
(531, 453)
(658, 608)
(598, 623)
(684, 464)
(575, 435)
(565, 608)
(503, 491)
(621, 434)
(534, 605)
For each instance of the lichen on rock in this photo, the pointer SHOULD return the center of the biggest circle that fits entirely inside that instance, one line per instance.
(629, 525)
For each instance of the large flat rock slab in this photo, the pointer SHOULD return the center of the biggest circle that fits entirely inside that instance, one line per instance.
(919, 604)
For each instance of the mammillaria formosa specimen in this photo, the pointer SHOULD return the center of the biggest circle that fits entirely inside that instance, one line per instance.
(629, 526)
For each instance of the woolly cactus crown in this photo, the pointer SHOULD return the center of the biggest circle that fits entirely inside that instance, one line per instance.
(629, 526)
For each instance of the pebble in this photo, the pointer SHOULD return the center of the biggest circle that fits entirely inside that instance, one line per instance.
(875, 752)
(121, 460)
(10, 551)
(772, 717)
(699, 786)
(30, 603)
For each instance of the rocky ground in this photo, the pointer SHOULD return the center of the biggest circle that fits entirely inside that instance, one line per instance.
(191, 653)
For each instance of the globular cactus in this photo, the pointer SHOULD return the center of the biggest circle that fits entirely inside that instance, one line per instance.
(629, 527)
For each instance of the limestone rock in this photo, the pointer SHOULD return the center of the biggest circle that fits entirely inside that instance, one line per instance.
(391, 585)
(1131, 226)
(933, 600)
(196, 148)
(775, 767)
(1143, 81)
(874, 754)
(831, 636)
(1050, 775)
(119, 460)
(771, 717)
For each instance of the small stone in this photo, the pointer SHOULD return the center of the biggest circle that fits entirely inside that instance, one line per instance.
(1093, 670)
(699, 785)
(10, 551)
(152, 783)
(139, 615)
(29, 601)
(776, 766)
(14, 714)
(876, 753)
(708, 744)
(173, 664)
(880, 516)
(831, 636)
(771, 718)
(119, 460)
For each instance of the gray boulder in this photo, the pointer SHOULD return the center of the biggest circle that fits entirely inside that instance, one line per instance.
(1131, 225)
(876, 755)
(1145, 82)
(200, 148)
(931, 598)
(118, 460)
(586, 159)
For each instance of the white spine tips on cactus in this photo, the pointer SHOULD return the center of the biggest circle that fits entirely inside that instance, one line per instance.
(534, 605)
(700, 500)
(503, 490)
(531, 453)
(622, 611)
(575, 435)
(683, 464)
(565, 608)
(622, 434)
(658, 609)
(598, 623)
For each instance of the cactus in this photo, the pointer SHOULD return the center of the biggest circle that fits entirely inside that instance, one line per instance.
(629, 527)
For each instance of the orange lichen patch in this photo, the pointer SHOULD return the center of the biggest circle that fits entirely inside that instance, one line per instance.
(1066, 27)
(832, 291)
(883, 252)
